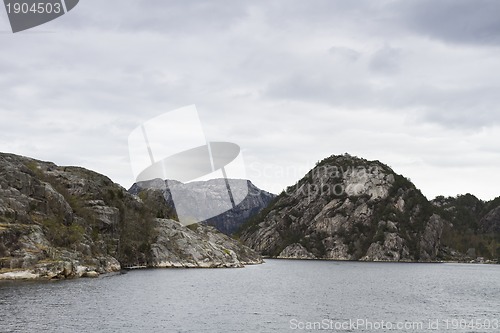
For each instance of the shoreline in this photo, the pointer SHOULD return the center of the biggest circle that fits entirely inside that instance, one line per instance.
(27, 275)
(471, 262)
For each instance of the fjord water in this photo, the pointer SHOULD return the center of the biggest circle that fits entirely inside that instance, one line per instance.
(279, 296)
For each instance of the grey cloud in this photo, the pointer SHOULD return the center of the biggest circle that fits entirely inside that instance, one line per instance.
(325, 13)
(344, 53)
(386, 60)
(322, 89)
(167, 17)
(467, 107)
(458, 21)
(269, 76)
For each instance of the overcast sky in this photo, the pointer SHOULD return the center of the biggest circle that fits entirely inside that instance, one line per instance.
(414, 84)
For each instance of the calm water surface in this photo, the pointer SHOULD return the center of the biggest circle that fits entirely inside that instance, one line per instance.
(279, 296)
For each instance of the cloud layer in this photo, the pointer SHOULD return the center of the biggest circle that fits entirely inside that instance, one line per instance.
(411, 83)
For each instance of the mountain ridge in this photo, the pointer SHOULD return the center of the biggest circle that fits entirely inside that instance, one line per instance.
(215, 190)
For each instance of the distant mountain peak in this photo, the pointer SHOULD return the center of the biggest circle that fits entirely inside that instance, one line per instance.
(211, 195)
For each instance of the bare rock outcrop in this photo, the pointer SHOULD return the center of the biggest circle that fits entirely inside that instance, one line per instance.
(295, 251)
(348, 208)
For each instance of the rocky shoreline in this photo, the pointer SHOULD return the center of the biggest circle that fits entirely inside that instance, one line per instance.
(69, 222)
(472, 262)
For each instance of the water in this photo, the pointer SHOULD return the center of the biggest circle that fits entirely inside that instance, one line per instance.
(279, 296)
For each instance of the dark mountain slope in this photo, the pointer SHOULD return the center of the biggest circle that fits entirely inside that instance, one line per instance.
(215, 190)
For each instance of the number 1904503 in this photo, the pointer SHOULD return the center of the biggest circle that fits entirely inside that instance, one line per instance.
(34, 8)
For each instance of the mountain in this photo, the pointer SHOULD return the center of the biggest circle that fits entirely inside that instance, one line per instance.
(211, 195)
(349, 208)
(60, 222)
(474, 227)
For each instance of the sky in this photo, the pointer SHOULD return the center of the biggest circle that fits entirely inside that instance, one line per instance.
(414, 84)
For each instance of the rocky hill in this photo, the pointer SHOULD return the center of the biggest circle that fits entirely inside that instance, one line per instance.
(59, 222)
(474, 227)
(215, 191)
(348, 208)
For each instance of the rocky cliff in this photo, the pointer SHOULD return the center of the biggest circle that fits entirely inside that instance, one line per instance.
(474, 227)
(348, 208)
(215, 191)
(197, 246)
(61, 222)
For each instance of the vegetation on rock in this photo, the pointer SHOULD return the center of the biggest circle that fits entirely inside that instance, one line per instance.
(69, 221)
(349, 208)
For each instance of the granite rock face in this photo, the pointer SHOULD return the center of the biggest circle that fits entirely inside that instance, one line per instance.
(65, 222)
(490, 222)
(197, 246)
(295, 251)
(348, 208)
